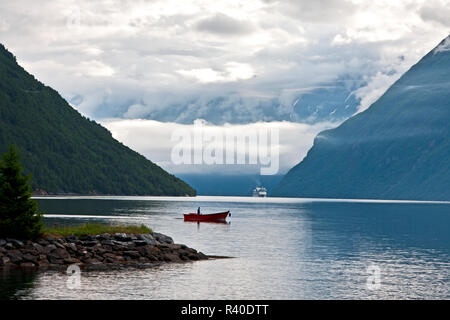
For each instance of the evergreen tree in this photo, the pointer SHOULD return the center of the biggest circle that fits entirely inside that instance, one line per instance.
(19, 216)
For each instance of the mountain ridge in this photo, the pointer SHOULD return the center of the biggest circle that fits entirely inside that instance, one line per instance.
(398, 148)
(66, 152)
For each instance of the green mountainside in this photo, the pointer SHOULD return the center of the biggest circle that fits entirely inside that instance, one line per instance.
(399, 148)
(66, 152)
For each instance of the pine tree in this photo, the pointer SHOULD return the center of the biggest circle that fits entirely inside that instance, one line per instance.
(19, 216)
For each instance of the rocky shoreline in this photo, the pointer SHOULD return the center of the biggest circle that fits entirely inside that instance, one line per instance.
(92, 252)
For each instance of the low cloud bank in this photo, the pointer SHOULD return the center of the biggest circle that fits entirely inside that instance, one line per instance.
(155, 140)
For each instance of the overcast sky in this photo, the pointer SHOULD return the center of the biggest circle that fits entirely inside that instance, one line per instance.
(117, 60)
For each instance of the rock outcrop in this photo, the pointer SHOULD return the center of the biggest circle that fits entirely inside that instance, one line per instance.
(95, 252)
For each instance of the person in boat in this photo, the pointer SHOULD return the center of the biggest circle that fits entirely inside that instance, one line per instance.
(198, 210)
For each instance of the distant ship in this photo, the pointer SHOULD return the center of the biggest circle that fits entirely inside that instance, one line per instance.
(260, 192)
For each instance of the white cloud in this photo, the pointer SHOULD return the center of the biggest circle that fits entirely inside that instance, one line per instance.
(441, 16)
(93, 51)
(225, 25)
(444, 46)
(153, 140)
(379, 83)
(94, 68)
(233, 71)
(226, 61)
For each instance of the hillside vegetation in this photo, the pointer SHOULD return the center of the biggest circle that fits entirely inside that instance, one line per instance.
(66, 152)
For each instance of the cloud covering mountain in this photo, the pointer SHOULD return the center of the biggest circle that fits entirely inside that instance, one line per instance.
(225, 61)
(235, 62)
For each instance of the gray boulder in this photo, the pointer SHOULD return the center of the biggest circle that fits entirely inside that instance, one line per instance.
(102, 237)
(72, 238)
(4, 261)
(107, 242)
(90, 243)
(148, 238)
(162, 238)
(50, 248)
(15, 256)
(16, 243)
(38, 247)
(132, 254)
(122, 237)
(30, 258)
(71, 246)
(58, 254)
(140, 243)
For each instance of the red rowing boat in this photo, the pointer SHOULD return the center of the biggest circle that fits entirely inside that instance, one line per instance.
(221, 216)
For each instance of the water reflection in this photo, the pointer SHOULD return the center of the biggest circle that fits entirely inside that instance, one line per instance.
(103, 207)
(15, 284)
(285, 250)
(228, 223)
(212, 222)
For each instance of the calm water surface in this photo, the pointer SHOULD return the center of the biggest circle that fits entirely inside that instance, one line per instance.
(283, 249)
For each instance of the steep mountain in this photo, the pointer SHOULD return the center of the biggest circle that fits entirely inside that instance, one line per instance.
(399, 148)
(66, 152)
(333, 101)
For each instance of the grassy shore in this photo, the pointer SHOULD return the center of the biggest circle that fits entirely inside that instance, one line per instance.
(93, 229)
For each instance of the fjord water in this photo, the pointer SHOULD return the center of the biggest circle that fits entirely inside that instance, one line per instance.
(281, 249)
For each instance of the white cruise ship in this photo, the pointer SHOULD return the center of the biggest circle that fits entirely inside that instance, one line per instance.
(260, 192)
